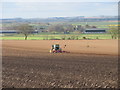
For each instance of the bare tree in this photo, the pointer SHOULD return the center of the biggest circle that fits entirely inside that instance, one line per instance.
(93, 27)
(114, 31)
(25, 29)
(56, 28)
(81, 28)
(68, 28)
(87, 26)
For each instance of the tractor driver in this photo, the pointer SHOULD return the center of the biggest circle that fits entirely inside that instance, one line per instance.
(52, 47)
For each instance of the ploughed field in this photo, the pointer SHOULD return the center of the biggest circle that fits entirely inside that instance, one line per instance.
(90, 64)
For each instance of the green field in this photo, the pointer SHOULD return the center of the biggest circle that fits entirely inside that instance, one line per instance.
(48, 36)
(55, 36)
(102, 24)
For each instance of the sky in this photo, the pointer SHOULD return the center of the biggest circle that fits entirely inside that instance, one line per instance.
(45, 9)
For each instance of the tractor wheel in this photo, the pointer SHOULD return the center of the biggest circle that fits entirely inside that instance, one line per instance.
(51, 51)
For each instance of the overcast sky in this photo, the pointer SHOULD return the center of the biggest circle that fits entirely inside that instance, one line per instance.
(39, 9)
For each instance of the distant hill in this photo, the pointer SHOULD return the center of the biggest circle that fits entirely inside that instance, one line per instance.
(61, 19)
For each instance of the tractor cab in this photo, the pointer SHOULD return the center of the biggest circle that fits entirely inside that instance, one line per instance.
(55, 49)
(56, 46)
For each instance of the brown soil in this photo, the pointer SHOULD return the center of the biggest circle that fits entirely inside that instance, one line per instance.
(90, 64)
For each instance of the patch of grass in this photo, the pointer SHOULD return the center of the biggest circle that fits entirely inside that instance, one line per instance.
(56, 36)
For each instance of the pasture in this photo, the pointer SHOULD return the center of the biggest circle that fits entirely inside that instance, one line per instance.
(48, 36)
(99, 24)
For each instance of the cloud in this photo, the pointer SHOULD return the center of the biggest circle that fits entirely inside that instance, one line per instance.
(109, 7)
(48, 6)
(59, 0)
(26, 6)
(0, 10)
(51, 9)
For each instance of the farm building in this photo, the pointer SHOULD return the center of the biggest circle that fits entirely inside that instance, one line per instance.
(41, 28)
(8, 31)
(12, 31)
(95, 30)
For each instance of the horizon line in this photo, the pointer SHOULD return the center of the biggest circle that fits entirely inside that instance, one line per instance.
(60, 16)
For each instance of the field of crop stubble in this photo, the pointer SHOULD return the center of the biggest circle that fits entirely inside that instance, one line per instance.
(90, 64)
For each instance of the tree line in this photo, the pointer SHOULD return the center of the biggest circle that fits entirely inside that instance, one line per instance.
(27, 29)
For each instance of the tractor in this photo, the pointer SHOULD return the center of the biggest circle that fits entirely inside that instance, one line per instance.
(56, 49)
